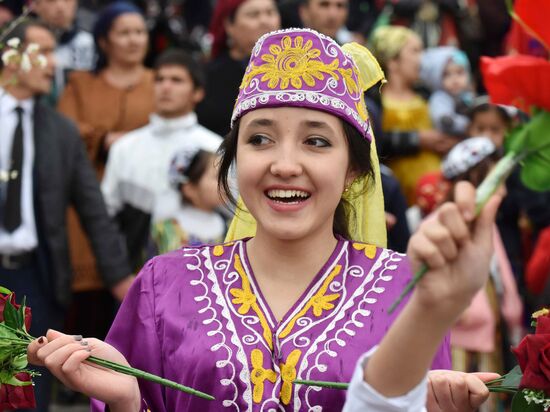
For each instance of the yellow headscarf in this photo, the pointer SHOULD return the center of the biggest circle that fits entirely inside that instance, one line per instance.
(367, 203)
(388, 41)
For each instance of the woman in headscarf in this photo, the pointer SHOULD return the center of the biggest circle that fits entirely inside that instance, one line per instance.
(235, 27)
(115, 98)
(306, 293)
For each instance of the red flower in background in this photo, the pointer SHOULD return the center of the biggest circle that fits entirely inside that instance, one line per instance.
(533, 355)
(521, 81)
(16, 397)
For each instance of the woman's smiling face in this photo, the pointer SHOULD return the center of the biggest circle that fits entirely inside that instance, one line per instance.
(292, 167)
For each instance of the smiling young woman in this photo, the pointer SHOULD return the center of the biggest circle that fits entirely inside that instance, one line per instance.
(306, 293)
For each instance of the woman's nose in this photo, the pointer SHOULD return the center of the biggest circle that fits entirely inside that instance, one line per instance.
(286, 165)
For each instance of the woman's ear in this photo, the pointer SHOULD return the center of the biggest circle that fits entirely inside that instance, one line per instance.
(350, 178)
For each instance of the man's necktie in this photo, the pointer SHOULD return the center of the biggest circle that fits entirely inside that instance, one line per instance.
(12, 212)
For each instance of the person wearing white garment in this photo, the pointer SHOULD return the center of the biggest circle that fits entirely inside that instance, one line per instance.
(136, 175)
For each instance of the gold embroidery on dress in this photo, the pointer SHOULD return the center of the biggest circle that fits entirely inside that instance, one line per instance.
(246, 298)
(259, 374)
(288, 375)
(368, 250)
(219, 249)
(318, 302)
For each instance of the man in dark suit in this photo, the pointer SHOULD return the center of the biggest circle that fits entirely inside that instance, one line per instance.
(44, 169)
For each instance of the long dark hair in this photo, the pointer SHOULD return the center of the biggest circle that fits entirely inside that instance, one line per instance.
(359, 156)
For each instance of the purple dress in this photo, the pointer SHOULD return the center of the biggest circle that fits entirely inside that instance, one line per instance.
(196, 316)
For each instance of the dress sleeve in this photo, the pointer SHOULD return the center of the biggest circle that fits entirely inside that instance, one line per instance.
(363, 397)
(134, 333)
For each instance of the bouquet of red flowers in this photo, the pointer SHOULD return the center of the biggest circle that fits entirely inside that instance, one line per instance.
(16, 389)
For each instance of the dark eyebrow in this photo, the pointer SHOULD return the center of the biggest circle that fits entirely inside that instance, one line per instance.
(316, 124)
(261, 122)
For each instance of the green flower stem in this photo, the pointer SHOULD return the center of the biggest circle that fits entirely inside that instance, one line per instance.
(345, 386)
(323, 384)
(147, 376)
(485, 190)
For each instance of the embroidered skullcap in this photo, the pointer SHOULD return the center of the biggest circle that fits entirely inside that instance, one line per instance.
(466, 155)
(180, 164)
(303, 68)
(224, 9)
(388, 41)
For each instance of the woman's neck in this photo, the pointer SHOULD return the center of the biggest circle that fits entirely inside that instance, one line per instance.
(123, 76)
(237, 54)
(398, 88)
(296, 261)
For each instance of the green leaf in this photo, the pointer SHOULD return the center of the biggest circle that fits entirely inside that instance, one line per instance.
(10, 315)
(5, 291)
(534, 139)
(513, 378)
(519, 404)
(16, 382)
(6, 333)
(20, 362)
(21, 314)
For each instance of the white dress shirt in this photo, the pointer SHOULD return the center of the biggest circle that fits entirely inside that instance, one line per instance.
(24, 238)
(136, 173)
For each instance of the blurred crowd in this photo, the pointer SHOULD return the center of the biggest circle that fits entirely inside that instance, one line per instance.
(151, 84)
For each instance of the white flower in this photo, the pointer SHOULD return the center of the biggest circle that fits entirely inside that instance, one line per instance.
(41, 61)
(26, 64)
(32, 48)
(14, 42)
(9, 55)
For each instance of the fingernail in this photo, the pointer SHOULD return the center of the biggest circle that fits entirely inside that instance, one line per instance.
(77, 337)
(84, 343)
(41, 340)
(88, 349)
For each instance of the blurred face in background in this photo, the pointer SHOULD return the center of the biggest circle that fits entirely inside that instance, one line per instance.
(204, 194)
(455, 78)
(38, 79)
(325, 16)
(489, 123)
(126, 42)
(175, 92)
(252, 19)
(58, 14)
(407, 64)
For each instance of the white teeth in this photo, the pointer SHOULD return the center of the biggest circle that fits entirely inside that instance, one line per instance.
(287, 193)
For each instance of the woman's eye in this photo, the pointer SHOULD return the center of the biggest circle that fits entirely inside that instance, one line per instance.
(258, 140)
(317, 142)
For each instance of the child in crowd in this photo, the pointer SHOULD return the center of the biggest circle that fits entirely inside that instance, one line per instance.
(489, 120)
(476, 339)
(446, 72)
(410, 145)
(194, 174)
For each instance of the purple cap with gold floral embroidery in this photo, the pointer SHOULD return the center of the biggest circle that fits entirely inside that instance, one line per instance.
(303, 68)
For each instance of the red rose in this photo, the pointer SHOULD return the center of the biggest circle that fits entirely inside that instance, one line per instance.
(17, 397)
(533, 355)
(3, 300)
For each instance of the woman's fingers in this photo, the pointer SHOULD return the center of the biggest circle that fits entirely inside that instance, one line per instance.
(477, 390)
(56, 360)
(465, 199)
(441, 237)
(424, 250)
(450, 216)
(442, 392)
(33, 348)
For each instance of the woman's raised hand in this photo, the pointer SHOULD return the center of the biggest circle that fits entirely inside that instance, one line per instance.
(452, 391)
(457, 248)
(65, 356)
